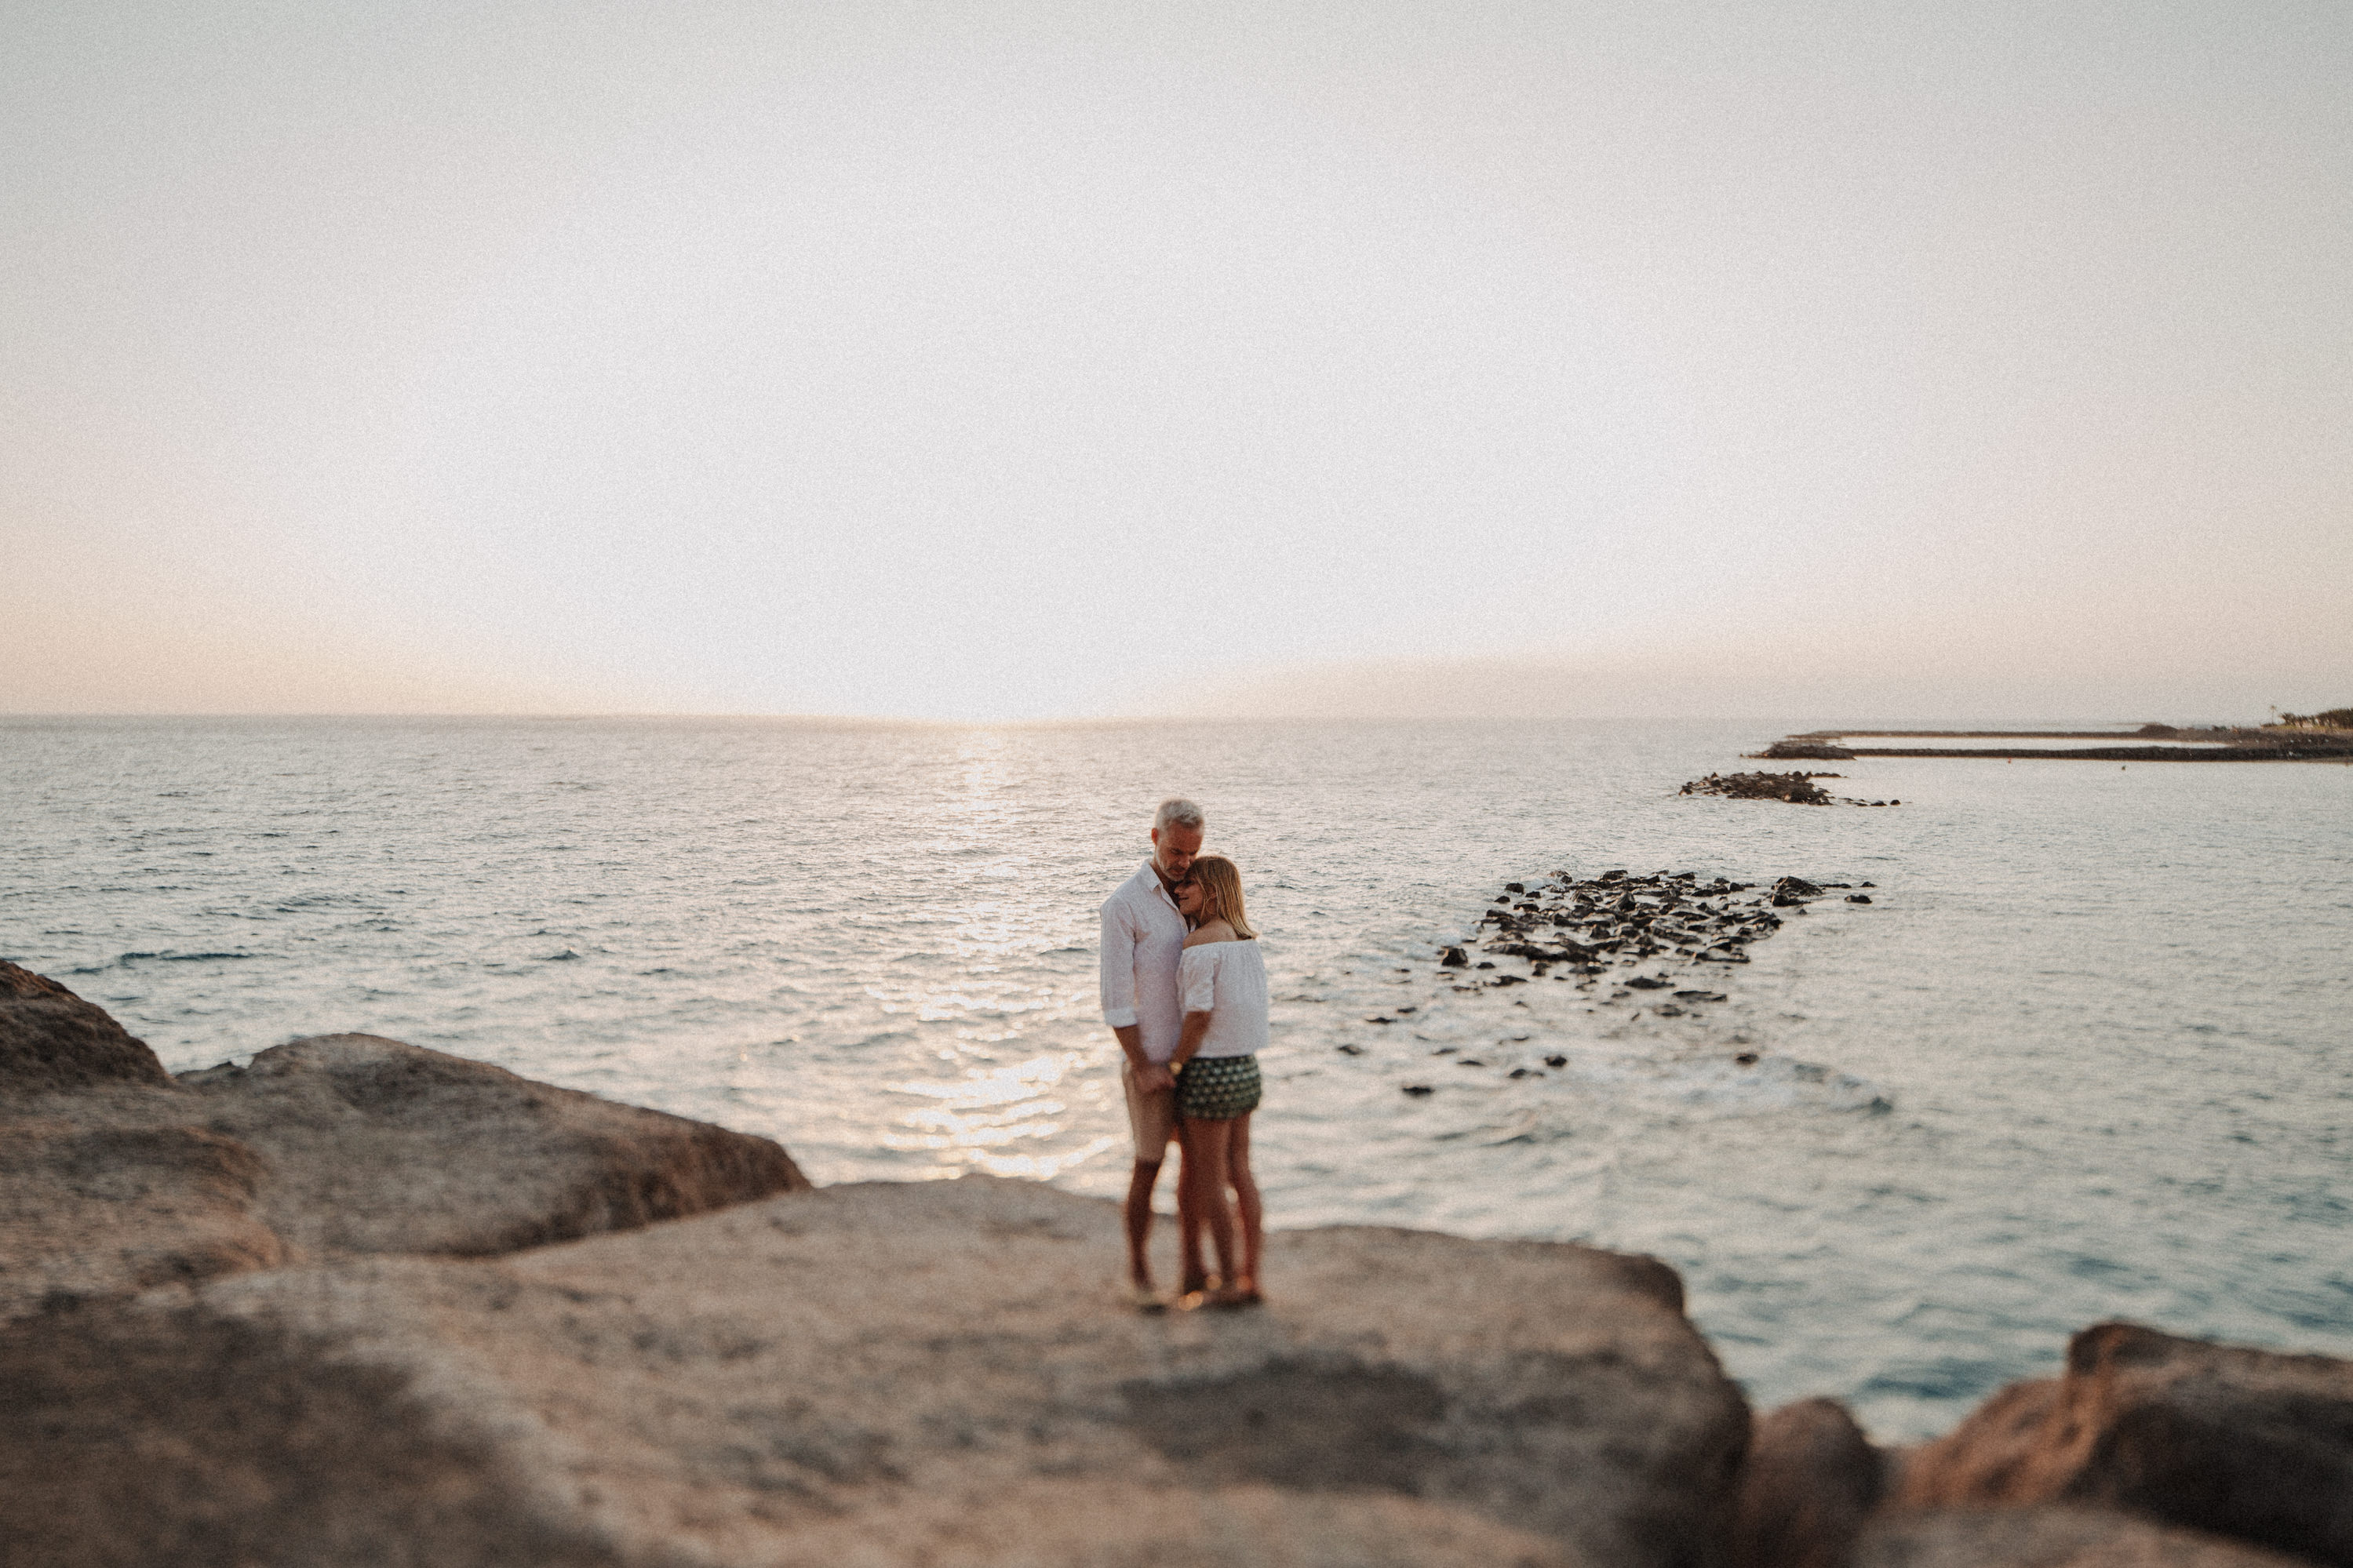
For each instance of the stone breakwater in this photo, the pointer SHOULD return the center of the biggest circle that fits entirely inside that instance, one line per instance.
(2291, 750)
(363, 1303)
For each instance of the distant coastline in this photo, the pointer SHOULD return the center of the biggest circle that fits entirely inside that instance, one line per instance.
(2297, 740)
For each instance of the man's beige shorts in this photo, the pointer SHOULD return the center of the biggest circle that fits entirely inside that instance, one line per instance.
(1151, 1117)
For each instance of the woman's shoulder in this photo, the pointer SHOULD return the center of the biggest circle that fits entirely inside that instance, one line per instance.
(1210, 935)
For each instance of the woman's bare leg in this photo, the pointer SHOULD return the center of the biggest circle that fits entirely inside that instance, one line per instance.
(1192, 1268)
(1245, 1185)
(1189, 1265)
(1205, 1166)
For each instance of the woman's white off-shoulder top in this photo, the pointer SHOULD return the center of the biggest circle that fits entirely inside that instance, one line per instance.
(1227, 979)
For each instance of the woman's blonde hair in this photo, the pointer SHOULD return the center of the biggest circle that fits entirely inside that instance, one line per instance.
(1222, 889)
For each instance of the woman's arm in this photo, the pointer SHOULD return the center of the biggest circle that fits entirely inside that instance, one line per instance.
(1197, 987)
(1195, 1025)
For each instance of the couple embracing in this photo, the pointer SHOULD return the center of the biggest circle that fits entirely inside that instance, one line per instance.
(1184, 988)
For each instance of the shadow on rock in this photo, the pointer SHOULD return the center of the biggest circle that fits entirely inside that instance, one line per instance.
(141, 1437)
(1339, 1426)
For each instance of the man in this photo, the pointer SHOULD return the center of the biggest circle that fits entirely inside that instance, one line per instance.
(1143, 945)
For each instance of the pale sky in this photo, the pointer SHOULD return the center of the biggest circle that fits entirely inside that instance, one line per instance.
(1022, 360)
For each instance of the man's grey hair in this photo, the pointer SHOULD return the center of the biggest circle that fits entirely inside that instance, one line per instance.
(1177, 812)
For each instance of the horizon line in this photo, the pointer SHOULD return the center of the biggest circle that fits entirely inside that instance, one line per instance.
(1067, 721)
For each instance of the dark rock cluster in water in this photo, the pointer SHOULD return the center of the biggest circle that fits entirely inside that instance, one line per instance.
(1587, 925)
(1797, 789)
(1570, 928)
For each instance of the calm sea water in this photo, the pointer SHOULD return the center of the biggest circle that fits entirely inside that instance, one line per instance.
(2085, 1056)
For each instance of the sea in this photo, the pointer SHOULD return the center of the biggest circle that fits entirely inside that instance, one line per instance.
(2087, 1054)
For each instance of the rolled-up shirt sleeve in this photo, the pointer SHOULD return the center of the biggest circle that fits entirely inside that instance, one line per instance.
(1118, 967)
(1198, 977)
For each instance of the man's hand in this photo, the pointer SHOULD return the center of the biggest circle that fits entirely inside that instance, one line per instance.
(1151, 1077)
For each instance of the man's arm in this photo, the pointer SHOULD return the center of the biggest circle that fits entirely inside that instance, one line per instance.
(1149, 1074)
(1117, 984)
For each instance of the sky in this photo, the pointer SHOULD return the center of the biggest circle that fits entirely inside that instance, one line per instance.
(1034, 361)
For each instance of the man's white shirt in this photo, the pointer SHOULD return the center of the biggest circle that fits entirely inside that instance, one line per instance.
(1143, 948)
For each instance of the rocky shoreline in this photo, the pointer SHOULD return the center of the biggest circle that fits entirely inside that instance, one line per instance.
(360, 1302)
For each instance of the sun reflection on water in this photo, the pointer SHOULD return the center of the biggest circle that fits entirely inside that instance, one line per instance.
(978, 1121)
(1011, 1108)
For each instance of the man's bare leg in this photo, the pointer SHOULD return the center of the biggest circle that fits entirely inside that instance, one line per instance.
(1191, 1269)
(1141, 1180)
(1246, 1204)
(1194, 1268)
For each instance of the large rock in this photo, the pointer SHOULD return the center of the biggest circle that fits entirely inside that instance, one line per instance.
(2047, 1537)
(382, 1147)
(2243, 1443)
(114, 1176)
(1811, 1479)
(937, 1373)
(52, 1040)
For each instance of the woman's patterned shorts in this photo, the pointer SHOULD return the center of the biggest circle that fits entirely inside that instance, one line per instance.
(1216, 1088)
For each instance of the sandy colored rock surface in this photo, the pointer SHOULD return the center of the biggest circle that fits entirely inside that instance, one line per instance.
(52, 1040)
(109, 1210)
(2243, 1443)
(1809, 1480)
(115, 1177)
(378, 1146)
(937, 1373)
(2048, 1537)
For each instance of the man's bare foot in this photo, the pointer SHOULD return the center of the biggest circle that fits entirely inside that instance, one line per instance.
(1242, 1293)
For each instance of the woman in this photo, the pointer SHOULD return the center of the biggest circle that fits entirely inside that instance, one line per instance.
(1222, 982)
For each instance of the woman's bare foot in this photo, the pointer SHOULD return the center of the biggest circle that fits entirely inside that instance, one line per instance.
(1215, 1297)
(1198, 1293)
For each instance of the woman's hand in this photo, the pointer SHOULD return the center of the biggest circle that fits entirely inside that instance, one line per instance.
(1195, 1025)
